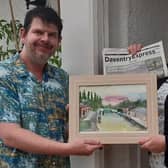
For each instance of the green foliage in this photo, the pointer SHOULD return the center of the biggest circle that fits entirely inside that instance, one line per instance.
(56, 59)
(7, 47)
(91, 99)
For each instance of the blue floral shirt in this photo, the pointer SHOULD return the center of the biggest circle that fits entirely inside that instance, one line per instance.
(36, 106)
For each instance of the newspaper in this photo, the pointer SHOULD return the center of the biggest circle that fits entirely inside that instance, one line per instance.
(151, 58)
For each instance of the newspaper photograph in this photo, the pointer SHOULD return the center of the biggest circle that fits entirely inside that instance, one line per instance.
(151, 58)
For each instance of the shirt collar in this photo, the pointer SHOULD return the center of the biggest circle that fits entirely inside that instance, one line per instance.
(21, 68)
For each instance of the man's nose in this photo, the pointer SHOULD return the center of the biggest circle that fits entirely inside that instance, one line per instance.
(45, 37)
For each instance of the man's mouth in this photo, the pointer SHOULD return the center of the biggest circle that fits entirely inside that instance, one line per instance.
(45, 47)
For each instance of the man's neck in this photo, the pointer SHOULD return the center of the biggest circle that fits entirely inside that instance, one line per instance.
(35, 69)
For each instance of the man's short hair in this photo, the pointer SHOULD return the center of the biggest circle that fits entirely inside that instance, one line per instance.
(46, 14)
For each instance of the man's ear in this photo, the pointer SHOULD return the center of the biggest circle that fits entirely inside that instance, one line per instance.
(60, 39)
(22, 34)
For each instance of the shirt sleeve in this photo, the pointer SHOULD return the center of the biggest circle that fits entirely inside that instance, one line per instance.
(166, 151)
(166, 130)
(9, 102)
(67, 102)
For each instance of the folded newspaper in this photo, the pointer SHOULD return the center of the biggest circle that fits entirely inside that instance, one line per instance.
(151, 58)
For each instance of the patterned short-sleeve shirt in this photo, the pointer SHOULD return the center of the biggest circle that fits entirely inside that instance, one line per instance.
(39, 106)
(156, 160)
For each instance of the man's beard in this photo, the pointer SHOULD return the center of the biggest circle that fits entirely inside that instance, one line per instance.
(41, 59)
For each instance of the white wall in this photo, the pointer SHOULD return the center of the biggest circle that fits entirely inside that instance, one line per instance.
(78, 45)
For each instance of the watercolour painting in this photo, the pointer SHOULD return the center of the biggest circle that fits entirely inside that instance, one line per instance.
(113, 108)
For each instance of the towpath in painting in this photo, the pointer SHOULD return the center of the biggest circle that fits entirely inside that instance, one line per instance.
(113, 108)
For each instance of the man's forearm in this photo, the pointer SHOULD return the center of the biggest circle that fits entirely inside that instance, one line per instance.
(28, 141)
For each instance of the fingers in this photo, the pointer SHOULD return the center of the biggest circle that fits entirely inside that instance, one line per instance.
(154, 144)
(92, 148)
(67, 107)
(92, 142)
(134, 48)
(92, 145)
(85, 146)
(144, 140)
(146, 145)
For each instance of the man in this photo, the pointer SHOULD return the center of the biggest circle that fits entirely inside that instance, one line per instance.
(157, 144)
(33, 99)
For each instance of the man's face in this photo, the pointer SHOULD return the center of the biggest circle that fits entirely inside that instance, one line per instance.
(40, 42)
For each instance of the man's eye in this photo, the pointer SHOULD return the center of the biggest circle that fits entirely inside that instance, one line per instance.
(54, 35)
(38, 33)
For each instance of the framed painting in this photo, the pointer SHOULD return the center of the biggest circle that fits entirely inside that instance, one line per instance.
(115, 109)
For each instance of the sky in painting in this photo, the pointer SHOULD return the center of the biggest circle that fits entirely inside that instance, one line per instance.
(134, 92)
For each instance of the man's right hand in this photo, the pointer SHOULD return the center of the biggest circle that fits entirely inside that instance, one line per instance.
(83, 147)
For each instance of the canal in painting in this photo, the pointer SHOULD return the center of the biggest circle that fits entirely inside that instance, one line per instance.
(109, 122)
(115, 122)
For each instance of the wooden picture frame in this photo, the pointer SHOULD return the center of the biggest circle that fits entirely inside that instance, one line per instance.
(115, 109)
